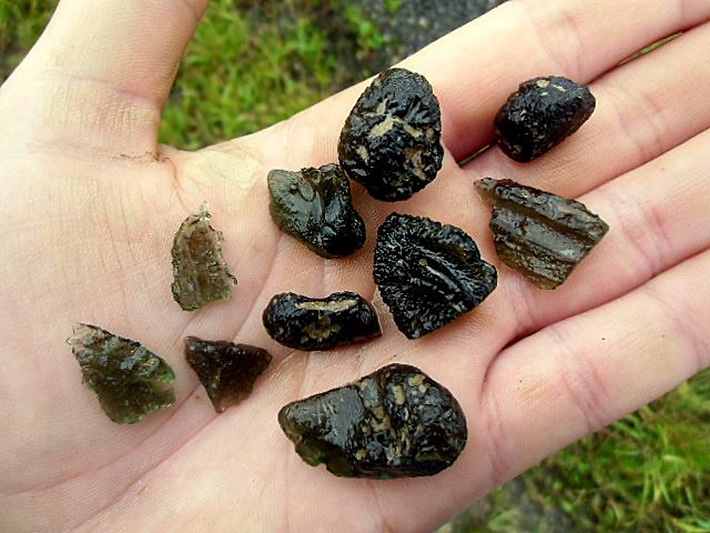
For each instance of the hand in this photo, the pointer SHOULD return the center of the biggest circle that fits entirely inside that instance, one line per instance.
(90, 202)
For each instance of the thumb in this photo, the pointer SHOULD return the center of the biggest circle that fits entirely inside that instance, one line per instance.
(105, 65)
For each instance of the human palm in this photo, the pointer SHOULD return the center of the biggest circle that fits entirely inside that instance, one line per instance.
(90, 201)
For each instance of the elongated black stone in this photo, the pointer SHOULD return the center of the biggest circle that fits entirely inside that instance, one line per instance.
(395, 422)
(311, 324)
(540, 115)
(130, 382)
(429, 273)
(226, 370)
(200, 274)
(542, 235)
(391, 141)
(315, 207)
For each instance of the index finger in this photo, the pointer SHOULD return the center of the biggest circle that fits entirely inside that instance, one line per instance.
(475, 68)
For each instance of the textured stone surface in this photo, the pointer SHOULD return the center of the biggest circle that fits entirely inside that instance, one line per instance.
(542, 235)
(540, 115)
(315, 207)
(200, 275)
(226, 370)
(429, 273)
(130, 382)
(311, 324)
(391, 139)
(396, 422)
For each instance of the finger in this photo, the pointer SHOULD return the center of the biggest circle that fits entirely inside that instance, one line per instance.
(640, 115)
(658, 217)
(475, 68)
(132, 45)
(105, 65)
(581, 374)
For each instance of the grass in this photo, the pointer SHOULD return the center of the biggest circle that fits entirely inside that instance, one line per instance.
(249, 67)
(648, 472)
(21, 22)
(233, 82)
(369, 38)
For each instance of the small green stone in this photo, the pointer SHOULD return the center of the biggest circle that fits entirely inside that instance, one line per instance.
(226, 370)
(315, 207)
(200, 274)
(541, 235)
(130, 382)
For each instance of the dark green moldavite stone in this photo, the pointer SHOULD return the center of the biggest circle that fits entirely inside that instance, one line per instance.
(226, 370)
(428, 273)
(540, 115)
(315, 207)
(130, 381)
(200, 274)
(396, 422)
(310, 324)
(391, 141)
(542, 235)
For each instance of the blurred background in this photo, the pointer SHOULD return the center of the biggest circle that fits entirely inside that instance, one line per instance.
(254, 63)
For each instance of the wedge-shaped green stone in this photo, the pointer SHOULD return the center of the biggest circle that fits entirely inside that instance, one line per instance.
(200, 275)
(226, 370)
(315, 207)
(130, 382)
(395, 422)
(539, 234)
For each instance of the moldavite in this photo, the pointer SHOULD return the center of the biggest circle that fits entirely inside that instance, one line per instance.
(540, 115)
(315, 207)
(226, 370)
(309, 324)
(429, 273)
(391, 139)
(395, 422)
(200, 274)
(130, 382)
(542, 235)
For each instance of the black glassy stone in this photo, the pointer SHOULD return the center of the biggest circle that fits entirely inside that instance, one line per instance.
(130, 382)
(200, 275)
(396, 422)
(226, 370)
(429, 273)
(315, 207)
(540, 115)
(391, 139)
(542, 235)
(310, 324)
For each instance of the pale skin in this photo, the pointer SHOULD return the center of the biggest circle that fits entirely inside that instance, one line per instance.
(89, 202)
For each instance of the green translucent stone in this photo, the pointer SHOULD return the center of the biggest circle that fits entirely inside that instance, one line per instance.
(130, 382)
(200, 275)
(315, 207)
(541, 235)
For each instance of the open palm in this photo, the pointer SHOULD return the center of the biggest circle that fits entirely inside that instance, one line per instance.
(89, 203)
